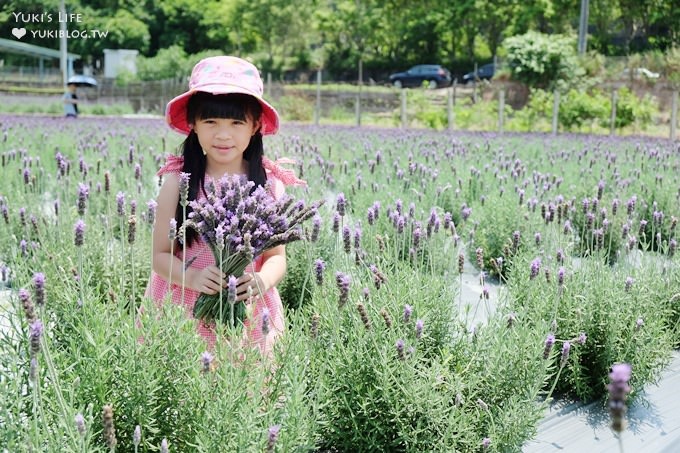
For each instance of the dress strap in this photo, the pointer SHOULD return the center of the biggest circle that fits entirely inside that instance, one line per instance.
(173, 164)
(285, 175)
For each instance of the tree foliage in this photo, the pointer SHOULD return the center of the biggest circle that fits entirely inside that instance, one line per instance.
(385, 35)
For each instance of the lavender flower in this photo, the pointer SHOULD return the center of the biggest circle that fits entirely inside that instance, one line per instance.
(80, 423)
(336, 222)
(184, 179)
(535, 268)
(549, 342)
(357, 237)
(341, 204)
(581, 338)
(370, 216)
(120, 203)
(151, 206)
(35, 333)
(629, 283)
(512, 319)
(560, 276)
(639, 323)
(272, 437)
(400, 349)
(316, 228)
(25, 299)
(172, 231)
(343, 283)
(537, 239)
(33, 369)
(566, 347)
(109, 428)
(164, 446)
(206, 360)
(461, 263)
(39, 288)
(346, 239)
(364, 315)
(486, 443)
(107, 182)
(319, 267)
(386, 317)
(266, 319)
(83, 193)
(231, 288)
(618, 392)
(79, 232)
(419, 329)
(132, 228)
(314, 327)
(407, 313)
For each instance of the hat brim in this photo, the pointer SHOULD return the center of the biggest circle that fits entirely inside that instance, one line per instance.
(176, 110)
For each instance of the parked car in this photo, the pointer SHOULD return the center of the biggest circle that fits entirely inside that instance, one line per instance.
(640, 73)
(433, 74)
(484, 72)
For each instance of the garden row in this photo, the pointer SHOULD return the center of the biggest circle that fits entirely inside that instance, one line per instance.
(381, 352)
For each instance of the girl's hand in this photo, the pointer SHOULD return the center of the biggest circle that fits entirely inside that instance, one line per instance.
(206, 280)
(250, 284)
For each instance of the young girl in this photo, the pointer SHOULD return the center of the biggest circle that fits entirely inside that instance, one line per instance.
(224, 117)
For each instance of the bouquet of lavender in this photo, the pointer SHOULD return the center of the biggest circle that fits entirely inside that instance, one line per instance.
(239, 225)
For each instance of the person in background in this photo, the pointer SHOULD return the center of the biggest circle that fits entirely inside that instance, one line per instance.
(70, 101)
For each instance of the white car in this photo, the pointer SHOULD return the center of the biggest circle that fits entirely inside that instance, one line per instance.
(640, 73)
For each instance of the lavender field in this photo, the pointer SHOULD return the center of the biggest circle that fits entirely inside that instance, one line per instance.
(382, 352)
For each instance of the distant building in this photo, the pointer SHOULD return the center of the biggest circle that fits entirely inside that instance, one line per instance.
(119, 60)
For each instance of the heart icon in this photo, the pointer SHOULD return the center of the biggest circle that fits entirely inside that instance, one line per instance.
(19, 32)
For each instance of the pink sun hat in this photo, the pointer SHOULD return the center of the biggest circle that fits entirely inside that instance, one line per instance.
(222, 75)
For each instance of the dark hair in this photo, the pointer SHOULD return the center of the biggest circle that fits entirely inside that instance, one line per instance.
(233, 106)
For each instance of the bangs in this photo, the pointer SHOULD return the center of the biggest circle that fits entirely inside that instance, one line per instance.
(231, 106)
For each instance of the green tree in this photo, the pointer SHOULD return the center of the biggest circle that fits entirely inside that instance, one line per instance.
(543, 61)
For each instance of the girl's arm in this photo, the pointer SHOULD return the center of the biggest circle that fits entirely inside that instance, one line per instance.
(203, 280)
(271, 273)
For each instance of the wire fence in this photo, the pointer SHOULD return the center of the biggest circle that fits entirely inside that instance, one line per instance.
(327, 102)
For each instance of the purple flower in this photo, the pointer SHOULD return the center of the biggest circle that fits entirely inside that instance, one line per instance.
(266, 319)
(341, 203)
(336, 222)
(537, 238)
(419, 329)
(80, 423)
(184, 179)
(400, 349)
(629, 283)
(319, 267)
(535, 268)
(35, 332)
(272, 437)
(316, 228)
(560, 276)
(618, 392)
(120, 203)
(566, 347)
(407, 313)
(172, 232)
(39, 288)
(206, 360)
(151, 206)
(79, 232)
(639, 323)
(83, 193)
(486, 443)
(549, 342)
(231, 288)
(581, 338)
(343, 282)
(164, 446)
(515, 240)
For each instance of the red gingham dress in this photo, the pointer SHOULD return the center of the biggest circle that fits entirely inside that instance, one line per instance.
(158, 289)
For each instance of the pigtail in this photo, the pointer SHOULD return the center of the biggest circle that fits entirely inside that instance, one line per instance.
(195, 164)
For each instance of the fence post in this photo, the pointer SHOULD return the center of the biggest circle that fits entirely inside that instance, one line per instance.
(269, 85)
(674, 114)
(474, 86)
(501, 109)
(403, 108)
(612, 121)
(556, 111)
(317, 111)
(450, 114)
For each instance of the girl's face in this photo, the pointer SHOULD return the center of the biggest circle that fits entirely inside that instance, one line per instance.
(224, 140)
